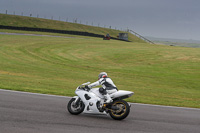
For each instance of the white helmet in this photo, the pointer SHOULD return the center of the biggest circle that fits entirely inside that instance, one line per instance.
(102, 75)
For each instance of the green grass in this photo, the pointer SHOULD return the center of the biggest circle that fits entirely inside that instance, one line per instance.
(180, 44)
(157, 74)
(22, 21)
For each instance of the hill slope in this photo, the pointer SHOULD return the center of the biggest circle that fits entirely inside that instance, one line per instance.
(21, 21)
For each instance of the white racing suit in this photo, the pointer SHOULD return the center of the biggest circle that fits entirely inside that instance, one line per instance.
(108, 87)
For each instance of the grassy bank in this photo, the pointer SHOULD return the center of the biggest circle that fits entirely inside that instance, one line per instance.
(22, 21)
(157, 74)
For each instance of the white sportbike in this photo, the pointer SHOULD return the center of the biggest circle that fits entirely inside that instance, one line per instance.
(92, 101)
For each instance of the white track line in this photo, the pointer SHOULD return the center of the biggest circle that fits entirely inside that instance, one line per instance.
(24, 34)
(71, 97)
(165, 106)
(31, 93)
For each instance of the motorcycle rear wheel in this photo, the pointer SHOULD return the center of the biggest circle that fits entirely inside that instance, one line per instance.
(122, 112)
(75, 109)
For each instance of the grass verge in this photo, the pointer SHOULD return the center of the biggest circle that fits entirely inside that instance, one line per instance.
(157, 74)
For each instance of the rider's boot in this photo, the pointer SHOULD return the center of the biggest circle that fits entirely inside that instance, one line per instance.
(108, 98)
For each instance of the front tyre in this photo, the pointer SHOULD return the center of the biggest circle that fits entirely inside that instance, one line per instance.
(121, 110)
(75, 109)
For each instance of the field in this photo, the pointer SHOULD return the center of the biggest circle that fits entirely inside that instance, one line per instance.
(157, 74)
(176, 42)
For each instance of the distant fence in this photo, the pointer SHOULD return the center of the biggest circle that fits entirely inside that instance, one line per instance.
(69, 32)
(58, 18)
(55, 31)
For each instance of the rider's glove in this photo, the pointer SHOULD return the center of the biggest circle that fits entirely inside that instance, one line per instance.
(87, 88)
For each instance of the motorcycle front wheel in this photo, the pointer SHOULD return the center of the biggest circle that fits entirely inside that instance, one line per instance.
(121, 110)
(75, 109)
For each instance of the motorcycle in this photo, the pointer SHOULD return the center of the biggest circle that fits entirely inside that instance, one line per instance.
(92, 101)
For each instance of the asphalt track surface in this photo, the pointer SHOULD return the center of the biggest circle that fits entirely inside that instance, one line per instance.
(36, 113)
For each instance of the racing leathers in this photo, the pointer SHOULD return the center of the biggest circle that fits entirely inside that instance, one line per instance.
(108, 87)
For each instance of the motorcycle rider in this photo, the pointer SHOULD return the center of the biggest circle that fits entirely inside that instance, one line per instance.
(108, 87)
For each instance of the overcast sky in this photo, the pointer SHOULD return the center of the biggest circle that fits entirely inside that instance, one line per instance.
(178, 19)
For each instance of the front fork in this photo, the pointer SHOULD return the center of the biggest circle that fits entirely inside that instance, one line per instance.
(77, 100)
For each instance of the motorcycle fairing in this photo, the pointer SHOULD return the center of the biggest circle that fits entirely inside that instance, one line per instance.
(90, 100)
(122, 94)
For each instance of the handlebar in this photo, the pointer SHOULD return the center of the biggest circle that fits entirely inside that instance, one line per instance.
(83, 86)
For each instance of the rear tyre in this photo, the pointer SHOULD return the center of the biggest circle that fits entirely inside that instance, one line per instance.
(75, 109)
(122, 110)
